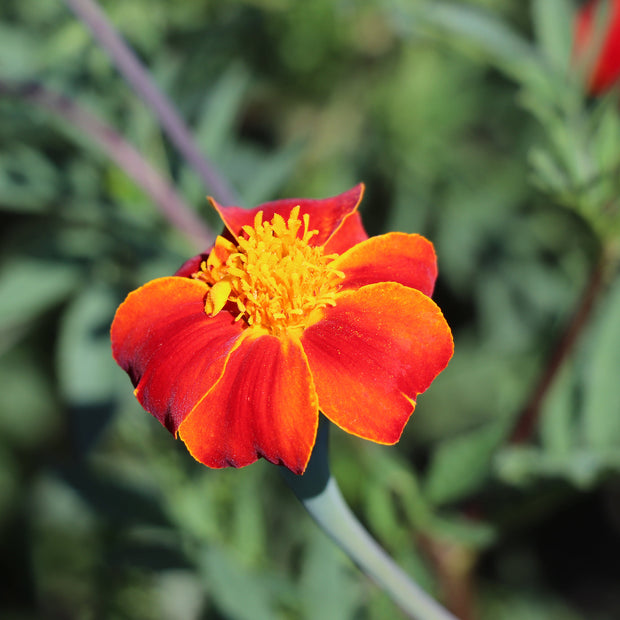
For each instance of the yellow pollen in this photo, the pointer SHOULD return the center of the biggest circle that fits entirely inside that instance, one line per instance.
(275, 278)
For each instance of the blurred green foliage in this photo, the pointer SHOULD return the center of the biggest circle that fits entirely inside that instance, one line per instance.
(466, 125)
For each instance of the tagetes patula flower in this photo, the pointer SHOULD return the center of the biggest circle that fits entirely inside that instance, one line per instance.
(294, 310)
(600, 50)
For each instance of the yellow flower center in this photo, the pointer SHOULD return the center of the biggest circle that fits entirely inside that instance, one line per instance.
(274, 277)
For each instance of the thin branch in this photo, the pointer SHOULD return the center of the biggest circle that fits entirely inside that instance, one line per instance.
(528, 419)
(130, 67)
(170, 204)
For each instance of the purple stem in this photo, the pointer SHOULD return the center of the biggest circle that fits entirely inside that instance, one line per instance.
(89, 12)
(170, 204)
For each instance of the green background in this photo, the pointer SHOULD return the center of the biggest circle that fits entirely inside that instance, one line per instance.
(467, 123)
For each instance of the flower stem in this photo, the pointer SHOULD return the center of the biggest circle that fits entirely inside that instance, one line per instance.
(89, 12)
(319, 493)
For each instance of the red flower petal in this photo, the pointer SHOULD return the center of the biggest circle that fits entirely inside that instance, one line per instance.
(603, 55)
(263, 405)
(394, 257)
(372, 354)
(170, 348)
(192, 265)
(349, 233)
(326, 215)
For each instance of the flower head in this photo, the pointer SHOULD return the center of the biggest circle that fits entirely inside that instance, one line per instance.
(293, 310)
(597, 46)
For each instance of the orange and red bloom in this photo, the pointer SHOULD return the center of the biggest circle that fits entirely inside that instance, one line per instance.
(293, 310)
(599, 46)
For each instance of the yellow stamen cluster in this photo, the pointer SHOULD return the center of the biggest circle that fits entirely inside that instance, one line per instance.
(276, 279)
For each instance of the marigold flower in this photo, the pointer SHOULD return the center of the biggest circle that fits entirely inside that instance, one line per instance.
(294, 310)
(600, 51)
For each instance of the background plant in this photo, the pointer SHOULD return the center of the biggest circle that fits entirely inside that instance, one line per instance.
(467, 124)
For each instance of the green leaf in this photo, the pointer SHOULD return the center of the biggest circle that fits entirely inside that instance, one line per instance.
(18, 50)
(494, 38)
(557, 421)
(519, 603)
(89, 378)
(248, 521)
(521, 466)
(601, 412)
(461, 464)
(238, 593)
(606, 136)
(548, 174)
(270, 173)
(87, 371)
(28, 180)
(553, 22)
(469, 533)
(329, 588)
(29, 287)
(215, 130)
(221, 111)
(28, 412)
(115, 499)
(381, 513)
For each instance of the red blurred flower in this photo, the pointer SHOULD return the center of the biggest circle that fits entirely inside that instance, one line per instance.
(600, 51)
(294, 310)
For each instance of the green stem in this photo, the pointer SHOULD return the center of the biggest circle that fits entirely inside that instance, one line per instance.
(319, 493)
